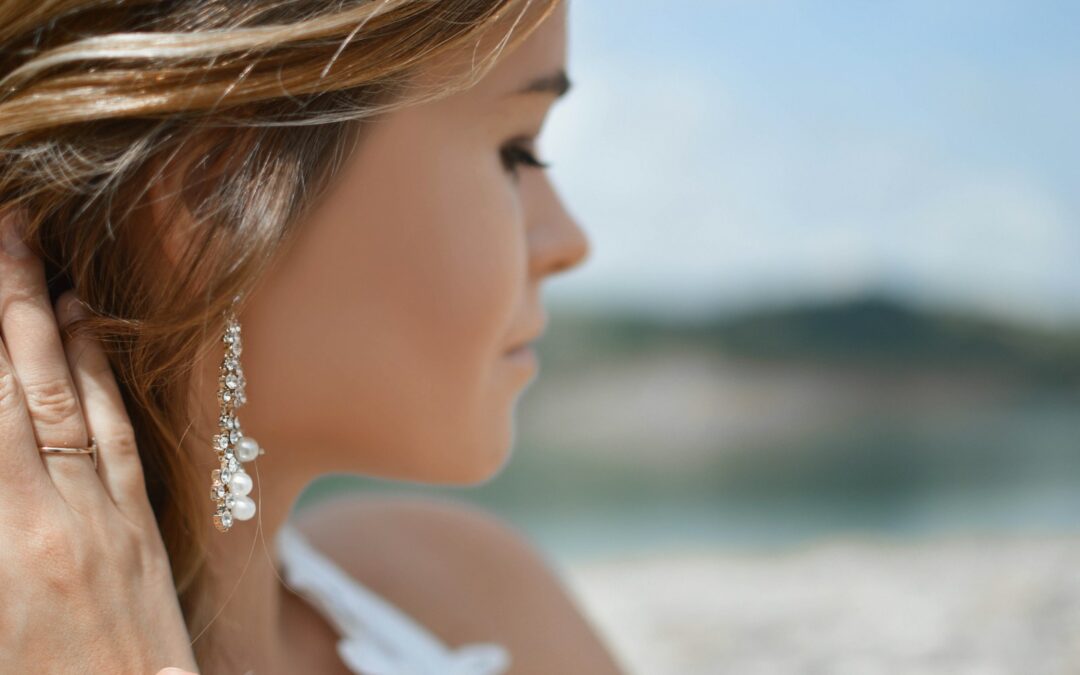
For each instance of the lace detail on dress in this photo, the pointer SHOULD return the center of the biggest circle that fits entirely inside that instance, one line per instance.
(376, 637)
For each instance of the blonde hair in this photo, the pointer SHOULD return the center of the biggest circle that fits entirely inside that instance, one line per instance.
(260, 98)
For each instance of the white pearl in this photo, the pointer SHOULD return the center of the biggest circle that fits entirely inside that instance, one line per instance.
(247, 449)
(240, 483)
(244, 508)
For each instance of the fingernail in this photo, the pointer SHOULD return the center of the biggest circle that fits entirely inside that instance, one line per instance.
(71, 308)
(78, 309)
(11, 238)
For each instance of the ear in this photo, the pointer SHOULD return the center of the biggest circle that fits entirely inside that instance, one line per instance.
(173, 223)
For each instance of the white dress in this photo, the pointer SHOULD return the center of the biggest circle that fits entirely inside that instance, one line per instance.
(376, 637)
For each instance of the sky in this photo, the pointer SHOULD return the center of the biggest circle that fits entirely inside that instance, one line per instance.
(722, 154)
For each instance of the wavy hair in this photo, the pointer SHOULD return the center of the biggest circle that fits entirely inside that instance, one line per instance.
(258, 102)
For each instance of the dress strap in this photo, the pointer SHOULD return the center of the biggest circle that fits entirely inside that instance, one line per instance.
(376, 637)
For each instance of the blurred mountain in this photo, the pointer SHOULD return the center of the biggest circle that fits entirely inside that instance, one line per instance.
(873, 331)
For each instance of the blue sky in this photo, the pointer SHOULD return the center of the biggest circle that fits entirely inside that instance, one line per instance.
(727, 153)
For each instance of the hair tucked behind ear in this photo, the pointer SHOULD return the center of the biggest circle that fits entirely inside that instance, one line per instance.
(257, 101)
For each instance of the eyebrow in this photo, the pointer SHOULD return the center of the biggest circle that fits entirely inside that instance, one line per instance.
(557, 84)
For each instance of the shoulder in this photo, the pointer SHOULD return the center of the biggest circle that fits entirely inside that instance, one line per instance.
(461, 572)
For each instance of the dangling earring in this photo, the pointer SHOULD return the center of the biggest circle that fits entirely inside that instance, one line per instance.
(231, 484)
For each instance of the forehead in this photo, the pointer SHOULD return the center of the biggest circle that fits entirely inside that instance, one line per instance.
(542, 53)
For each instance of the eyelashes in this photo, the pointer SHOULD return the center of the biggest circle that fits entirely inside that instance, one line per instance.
(517, 154)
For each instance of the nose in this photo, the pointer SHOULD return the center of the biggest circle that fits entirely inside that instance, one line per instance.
(556, 241)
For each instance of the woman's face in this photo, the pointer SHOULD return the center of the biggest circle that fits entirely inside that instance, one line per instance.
(379, 341)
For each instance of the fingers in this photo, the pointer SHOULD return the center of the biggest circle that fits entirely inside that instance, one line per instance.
(21, 471)
(119, 467)
(36, 353)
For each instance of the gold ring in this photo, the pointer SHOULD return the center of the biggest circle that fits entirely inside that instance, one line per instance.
(92, 450)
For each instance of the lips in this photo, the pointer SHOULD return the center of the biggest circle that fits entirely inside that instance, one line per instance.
(521, 345)
(532, 336)
(518, 348)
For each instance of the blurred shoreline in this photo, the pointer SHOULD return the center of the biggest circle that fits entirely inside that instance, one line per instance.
(950, 605)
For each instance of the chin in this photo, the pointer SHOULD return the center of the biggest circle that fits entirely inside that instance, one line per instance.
(467, 469)
(447, 451)
(475, 463)
(481, 456)
(476, 468)
(491, 470)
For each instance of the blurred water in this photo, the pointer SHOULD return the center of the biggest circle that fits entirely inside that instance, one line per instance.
(1009, 469)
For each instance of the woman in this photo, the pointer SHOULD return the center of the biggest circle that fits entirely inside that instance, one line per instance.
(353, 187)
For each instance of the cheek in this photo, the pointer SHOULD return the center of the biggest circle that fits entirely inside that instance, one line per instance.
(405, 288)
(448, 260)
(442, 272)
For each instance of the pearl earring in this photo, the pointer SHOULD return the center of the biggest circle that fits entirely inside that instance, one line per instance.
(231, 484)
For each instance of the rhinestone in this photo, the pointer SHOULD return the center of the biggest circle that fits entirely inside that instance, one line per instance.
(220, 524)
(217, 491)
(226, 396)
(221, 441)
(224, 475)
(232, 381)
(226, 519)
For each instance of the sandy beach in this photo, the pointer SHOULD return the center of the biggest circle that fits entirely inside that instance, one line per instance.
(972, 606)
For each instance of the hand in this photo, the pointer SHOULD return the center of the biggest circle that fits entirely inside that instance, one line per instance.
(85, 581)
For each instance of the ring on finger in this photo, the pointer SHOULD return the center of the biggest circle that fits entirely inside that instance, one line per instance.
(61, 450)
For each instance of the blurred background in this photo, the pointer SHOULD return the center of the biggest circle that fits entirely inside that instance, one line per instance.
(813, 405)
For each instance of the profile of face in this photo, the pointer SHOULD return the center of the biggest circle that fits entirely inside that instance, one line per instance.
(378, 341)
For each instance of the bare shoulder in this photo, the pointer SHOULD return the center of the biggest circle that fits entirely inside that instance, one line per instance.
(464, 574)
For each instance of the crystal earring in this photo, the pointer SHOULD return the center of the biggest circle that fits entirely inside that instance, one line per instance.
(230, 484)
